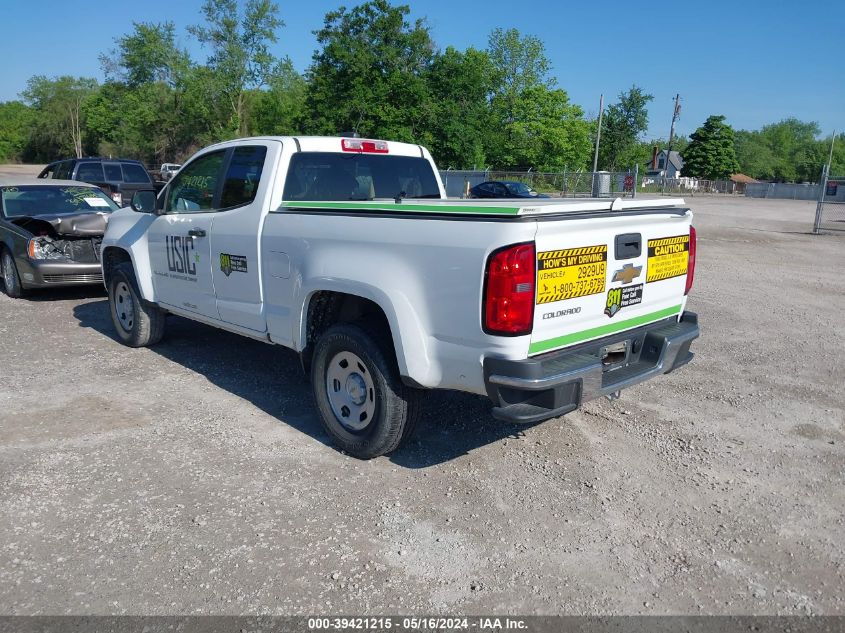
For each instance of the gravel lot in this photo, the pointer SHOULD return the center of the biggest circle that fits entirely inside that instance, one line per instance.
(194, 478)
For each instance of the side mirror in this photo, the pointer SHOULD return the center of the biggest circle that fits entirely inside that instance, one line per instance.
(144, 202)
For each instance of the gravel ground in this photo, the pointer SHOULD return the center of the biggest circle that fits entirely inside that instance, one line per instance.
(194, 478)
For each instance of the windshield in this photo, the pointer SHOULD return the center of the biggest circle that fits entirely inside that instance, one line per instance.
(35, 200)
(334, 176)
(520, 188)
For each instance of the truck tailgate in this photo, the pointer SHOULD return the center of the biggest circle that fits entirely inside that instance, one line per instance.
(602, 275)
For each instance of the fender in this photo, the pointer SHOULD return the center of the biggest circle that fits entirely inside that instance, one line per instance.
(127, 231)
(407, 333)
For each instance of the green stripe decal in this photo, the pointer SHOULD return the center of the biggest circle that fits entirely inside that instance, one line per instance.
(403, 207)
(602, 330)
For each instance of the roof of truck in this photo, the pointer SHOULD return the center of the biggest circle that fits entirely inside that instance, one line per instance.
(331, 144)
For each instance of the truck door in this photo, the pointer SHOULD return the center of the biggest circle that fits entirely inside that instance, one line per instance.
(179, 239)
(236, 235)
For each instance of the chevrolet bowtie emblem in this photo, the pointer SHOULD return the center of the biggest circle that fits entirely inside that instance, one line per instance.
(627, 273)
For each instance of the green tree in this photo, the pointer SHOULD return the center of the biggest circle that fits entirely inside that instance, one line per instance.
(240, 52)
(837, 167)
(148, 54)
(710, 153)
(785, 151)
(368, 74)
(622, 125)
(534, 124)
(278, 109)
(58, 106)
(460, 84)
(15, 124)
(520, 63)
(548, 132)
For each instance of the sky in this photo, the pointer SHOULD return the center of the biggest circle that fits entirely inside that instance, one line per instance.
(754, 62)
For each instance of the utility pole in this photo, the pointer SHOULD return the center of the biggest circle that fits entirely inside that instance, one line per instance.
(676, 114)
(598, 135)
(598, 139)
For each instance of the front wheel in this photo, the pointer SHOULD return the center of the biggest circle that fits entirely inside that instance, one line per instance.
(363, 403)
(138, 323)
(11, 279)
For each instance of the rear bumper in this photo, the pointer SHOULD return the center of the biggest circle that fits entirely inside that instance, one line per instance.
(550, 385)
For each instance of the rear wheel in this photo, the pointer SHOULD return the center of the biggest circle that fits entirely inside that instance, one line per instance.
(11, 279)
(363, 404)
(137, 322)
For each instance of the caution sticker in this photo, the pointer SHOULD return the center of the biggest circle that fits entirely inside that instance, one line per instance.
(667, 257)
(570, 273)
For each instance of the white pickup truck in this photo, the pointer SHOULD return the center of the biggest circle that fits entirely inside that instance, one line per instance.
(348, 252)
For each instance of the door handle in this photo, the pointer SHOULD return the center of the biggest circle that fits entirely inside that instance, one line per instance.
(196, 233)
(628, 246)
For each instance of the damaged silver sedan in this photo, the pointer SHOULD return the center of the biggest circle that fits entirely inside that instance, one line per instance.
(50, 233)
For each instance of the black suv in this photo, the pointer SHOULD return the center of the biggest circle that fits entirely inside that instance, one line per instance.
(118, 177)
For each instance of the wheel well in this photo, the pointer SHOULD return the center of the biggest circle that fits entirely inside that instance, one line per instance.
(327, 308)
(113, 256)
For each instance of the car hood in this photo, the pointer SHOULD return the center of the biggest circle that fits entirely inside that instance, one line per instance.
(77, 224)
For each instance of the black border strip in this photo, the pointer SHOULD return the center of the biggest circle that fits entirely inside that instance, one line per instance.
(418, 623)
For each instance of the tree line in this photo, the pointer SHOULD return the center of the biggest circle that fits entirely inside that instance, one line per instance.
(375, 72)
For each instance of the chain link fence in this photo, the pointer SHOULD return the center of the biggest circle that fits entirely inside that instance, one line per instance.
(783, 190)
(587, 184)
(830, 211)
(567, 184)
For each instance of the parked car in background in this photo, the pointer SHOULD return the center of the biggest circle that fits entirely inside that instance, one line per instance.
(119, 177)
(50, 233)
(168, 170)
(504, 189)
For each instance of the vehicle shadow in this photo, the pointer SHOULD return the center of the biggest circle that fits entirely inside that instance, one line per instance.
(270, 378)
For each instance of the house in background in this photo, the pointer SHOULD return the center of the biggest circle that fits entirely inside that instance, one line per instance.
(657, 167)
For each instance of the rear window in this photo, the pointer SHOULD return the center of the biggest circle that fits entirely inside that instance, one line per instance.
(333, 176)
(113, 172)
(90, 172)
(35, 200)
(135, 173)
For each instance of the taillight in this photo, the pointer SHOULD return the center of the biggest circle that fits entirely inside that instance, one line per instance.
(509, 291)
(691, 265)
(364, 146)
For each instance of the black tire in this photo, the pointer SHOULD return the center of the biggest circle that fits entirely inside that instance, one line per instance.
(395, 407)
(11, 279)
(138, 323)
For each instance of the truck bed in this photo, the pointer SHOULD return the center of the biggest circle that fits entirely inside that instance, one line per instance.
(498, 208)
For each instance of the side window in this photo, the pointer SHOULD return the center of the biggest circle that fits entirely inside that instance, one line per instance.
(63, 170)
(193, 189)
(113, 172)
(135, 174)
(499, 190)
(90, 172)
(243, 176)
